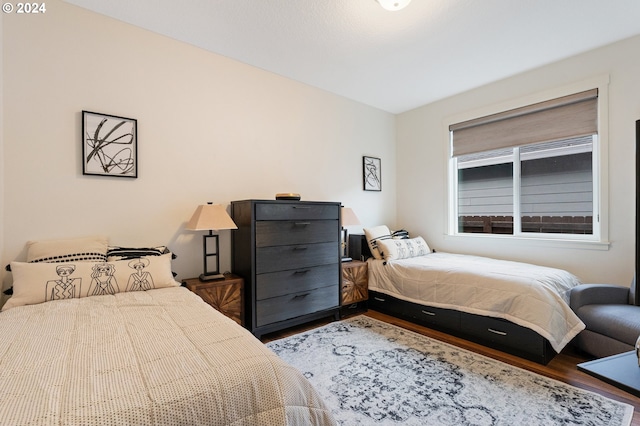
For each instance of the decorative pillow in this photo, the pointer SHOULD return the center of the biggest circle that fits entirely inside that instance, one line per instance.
(374, 235)
(123, 253)
(403, 249)
(87, 249)
(400, 234)
(42, 282)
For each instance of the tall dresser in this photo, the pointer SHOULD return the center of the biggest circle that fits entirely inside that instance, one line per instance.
(288, 253)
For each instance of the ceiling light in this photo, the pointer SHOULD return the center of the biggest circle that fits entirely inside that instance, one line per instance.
(394, 4)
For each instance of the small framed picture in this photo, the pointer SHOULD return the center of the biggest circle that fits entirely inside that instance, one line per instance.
(109, 145)
(371, 174)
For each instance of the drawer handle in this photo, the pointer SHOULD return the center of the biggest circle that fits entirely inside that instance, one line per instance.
(379, 299)
(302, 223)
(300, 296)
(301, 272)
(301, 207)
(429, 313)
(300, 248)
(501, 333)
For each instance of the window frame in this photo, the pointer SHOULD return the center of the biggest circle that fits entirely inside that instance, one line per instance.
(599, 238)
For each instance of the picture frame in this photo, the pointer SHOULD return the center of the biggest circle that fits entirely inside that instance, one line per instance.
(109, 145)
(371, 173)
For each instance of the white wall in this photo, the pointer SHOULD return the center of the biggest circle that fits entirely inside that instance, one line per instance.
(2, 251)
(422, 164)
(210, 129)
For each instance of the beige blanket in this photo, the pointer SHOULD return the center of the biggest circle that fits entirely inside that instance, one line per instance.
(532, 296)
(155, 357)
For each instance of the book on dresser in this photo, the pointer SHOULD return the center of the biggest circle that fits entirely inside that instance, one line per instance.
(288, 253)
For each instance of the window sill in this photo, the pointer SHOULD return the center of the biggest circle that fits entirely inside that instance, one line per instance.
(508, 240)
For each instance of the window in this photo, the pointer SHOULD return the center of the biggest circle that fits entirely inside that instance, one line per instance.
(528, 172)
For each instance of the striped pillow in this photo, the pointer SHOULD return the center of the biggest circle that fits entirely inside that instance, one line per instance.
(374, 235)
(400, 234)
(122, 253)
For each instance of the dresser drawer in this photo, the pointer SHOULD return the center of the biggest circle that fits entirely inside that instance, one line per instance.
(299, 256)
(295, 304)
(278, 233)
(292, 211)
(276, 284)
(501, 332)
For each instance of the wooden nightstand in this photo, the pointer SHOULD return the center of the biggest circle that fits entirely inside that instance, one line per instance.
(227, 295)
(355, 287)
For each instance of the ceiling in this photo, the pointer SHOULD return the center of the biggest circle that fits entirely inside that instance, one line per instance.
(394, 61)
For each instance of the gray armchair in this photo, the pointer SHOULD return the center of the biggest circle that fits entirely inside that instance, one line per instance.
(612, 321)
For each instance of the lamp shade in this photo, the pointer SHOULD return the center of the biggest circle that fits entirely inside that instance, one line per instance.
(394, 4)
(210, 216)
(348, 217)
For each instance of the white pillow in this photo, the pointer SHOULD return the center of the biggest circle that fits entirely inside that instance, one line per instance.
(374, 235)
(403, 248)
(42, 282)
(86, 249)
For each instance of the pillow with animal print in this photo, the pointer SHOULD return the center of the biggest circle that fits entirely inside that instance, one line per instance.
(42, 282)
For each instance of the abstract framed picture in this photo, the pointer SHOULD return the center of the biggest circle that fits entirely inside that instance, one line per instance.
(109, 145)
(371, 173)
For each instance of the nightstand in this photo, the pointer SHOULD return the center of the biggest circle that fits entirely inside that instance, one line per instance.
(226, 296)
(355, 287)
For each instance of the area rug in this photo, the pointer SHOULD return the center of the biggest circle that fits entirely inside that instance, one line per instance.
(373, 373)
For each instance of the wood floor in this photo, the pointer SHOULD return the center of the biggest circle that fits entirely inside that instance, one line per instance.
(562, 367)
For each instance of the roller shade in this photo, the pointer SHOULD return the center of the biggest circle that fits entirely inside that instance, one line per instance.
(561, 118)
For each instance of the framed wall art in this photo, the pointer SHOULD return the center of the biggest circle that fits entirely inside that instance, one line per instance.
(109, 145)
(371, 173)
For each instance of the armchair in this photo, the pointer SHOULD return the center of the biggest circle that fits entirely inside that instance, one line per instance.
(612, 320)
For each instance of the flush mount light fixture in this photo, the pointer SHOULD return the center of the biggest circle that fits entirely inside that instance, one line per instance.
(393, 4)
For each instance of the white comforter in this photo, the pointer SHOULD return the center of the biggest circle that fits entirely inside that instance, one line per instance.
(155, 357)
(532, 296)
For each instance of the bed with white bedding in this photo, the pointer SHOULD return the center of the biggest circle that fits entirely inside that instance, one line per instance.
(94, 335)
(517, 307)
(532, 296)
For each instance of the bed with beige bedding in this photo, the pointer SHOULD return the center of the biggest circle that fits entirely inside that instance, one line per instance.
(154, 357)
(97, 335)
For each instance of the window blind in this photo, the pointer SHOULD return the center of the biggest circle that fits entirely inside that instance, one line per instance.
(561, 118)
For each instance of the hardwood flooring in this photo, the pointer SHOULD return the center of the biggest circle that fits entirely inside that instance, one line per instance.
(562, 367)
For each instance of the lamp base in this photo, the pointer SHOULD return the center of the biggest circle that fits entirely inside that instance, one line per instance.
(211, 277)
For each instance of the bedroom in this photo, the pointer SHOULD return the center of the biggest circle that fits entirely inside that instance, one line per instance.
(254, 120)
(213, 129)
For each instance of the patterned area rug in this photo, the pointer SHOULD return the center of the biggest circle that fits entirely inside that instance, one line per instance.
(374, 373)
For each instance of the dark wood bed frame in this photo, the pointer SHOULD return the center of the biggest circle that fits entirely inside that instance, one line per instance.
(492, 332)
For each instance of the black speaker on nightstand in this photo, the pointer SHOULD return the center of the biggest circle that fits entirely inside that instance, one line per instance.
(358, 247)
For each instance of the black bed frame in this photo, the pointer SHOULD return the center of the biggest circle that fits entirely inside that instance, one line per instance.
(491, 332)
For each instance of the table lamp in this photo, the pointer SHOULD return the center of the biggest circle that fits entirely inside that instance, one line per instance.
(347, 218)
(210, 217)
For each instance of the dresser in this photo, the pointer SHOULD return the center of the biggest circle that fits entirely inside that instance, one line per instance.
(288, 253)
